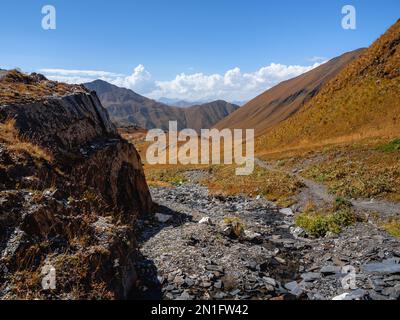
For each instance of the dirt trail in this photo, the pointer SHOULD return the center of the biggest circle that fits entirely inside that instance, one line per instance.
(319, 193)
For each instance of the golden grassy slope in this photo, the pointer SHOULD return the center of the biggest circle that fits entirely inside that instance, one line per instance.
(282, 101)
(362, 101)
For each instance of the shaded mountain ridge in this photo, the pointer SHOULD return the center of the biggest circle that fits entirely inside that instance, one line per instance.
(129, 108)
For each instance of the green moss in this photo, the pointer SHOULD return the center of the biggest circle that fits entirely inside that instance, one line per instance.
(318, 224)
(392, 146)
(393, 227)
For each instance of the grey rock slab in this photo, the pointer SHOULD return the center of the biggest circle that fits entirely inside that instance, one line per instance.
(357, 294)
(376, 296)
(389, 266)
(212, 267)
(269, 281)
(330, 270)
(287, 212)
(185, 296)
(189, 282)
(218, 284)
(294, 288)
(310, 276)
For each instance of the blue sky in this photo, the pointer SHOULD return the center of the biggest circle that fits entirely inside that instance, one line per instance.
(182, 48)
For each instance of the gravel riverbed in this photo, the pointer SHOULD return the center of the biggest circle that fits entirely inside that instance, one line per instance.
(189, 251)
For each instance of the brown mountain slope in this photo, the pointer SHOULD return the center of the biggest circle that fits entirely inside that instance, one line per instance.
(285, 99)
(362, 100)
(129, 108)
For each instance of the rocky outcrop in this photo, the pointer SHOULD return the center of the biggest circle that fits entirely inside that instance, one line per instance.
(71, 190)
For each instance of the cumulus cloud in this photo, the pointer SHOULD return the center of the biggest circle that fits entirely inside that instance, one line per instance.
(140, 80)
(232, 85)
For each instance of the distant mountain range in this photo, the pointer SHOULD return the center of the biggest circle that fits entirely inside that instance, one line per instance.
(129, 108)
(282, 101)
(179, 103)
(185, 104)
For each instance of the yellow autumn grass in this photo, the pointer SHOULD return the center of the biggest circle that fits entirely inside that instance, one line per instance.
(9, 135)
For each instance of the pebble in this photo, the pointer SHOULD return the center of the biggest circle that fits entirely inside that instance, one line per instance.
(206, 220)
(163, 218)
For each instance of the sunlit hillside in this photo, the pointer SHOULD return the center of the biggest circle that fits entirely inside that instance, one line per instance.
(362, 101)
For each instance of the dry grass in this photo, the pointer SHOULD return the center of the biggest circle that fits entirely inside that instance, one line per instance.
(362, 100)
(360, 171)
(19, 88)
(274, 186)
(165, 177)
(363, 169)
(9, 135)
(366, 109)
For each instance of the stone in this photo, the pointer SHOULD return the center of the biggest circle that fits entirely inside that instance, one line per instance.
(310, 276)
(251, 236)
(185, 296)
(287, 212)
(179, 280)
(342, 296)
(269, 288)
(357, 294)
(252, 265)
(298, 232)
(389, 266)
(206, 220)
(169, 287)
(189, 282)
(376, 296)
(330, 270)
(234, 292)
(163, 218)
(212, 267)
(269, 281)
(280, 260)
(392, 292)
(160, 279)
(218, 284)
(294, 288)
(220, 295)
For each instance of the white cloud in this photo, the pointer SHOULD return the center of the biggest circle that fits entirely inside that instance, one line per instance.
(87, 73)
(232, 85)
(140, 80)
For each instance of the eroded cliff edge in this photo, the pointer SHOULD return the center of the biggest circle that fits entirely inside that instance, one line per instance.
(71, 190)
